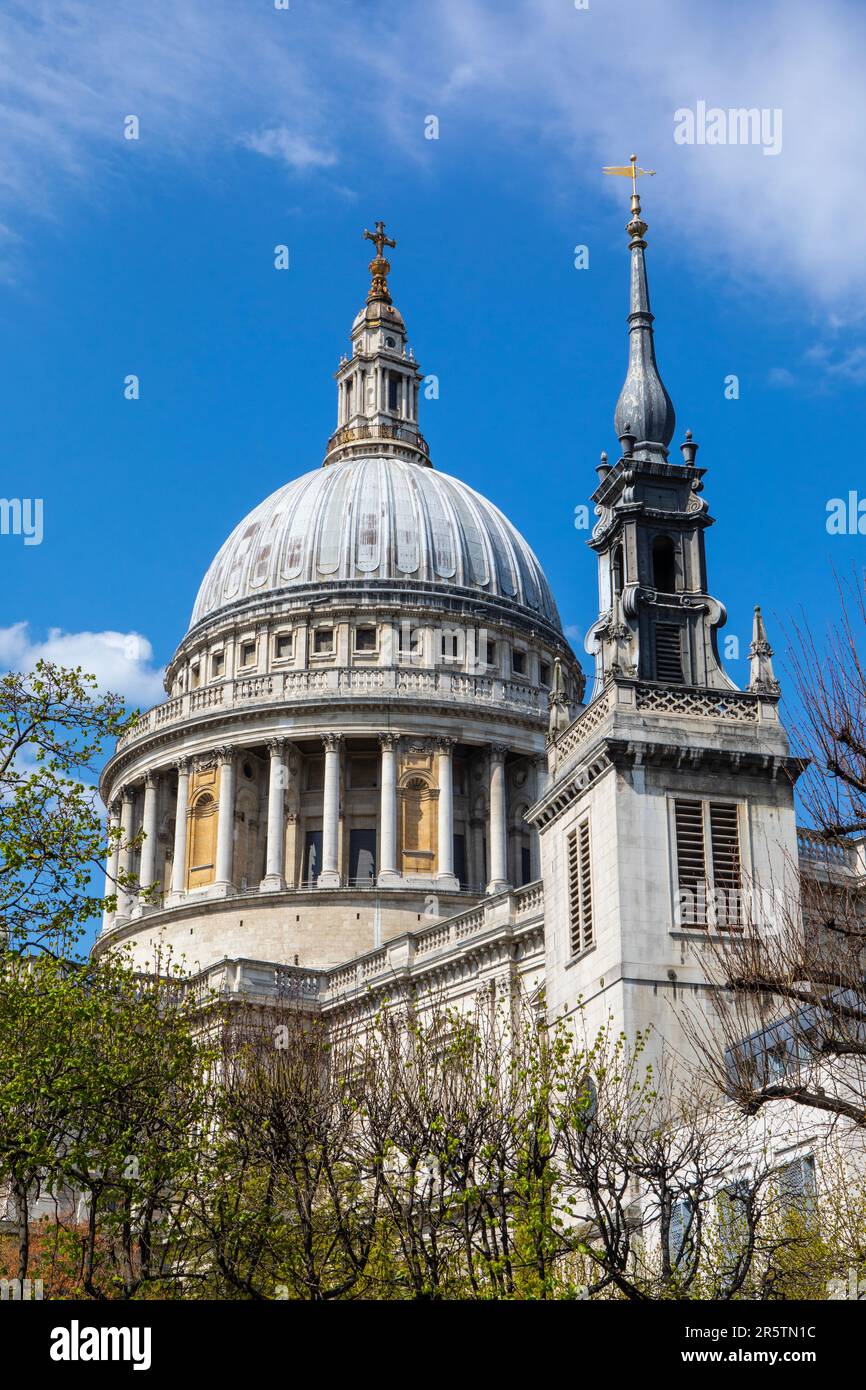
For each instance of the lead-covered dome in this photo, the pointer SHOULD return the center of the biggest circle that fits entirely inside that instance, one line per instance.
(375, 518)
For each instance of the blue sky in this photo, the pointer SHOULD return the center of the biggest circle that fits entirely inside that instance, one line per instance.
(261, 126)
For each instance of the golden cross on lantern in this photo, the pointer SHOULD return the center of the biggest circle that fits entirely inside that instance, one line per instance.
(378, 238)
(629, 171)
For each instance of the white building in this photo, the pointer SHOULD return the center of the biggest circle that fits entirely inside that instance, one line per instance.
(374, 763)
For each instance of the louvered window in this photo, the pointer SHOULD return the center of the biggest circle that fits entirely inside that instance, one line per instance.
(708, 863)
(680, 1233)
(797, 1185)
(669, 656)
(580, 888)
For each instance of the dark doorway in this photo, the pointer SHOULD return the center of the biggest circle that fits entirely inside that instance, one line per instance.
(460, 859)
(312, 856)
(362, 856)
(525, 865)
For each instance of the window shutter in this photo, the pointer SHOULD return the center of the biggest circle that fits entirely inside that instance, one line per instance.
(679, 1234)
(669, 657)
(580, 888)
(797, 1183)
(725, 847)
(691, 861)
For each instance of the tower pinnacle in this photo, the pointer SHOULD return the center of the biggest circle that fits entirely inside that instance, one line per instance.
(644, 412)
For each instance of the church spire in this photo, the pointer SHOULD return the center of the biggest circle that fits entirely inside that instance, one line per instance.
(644, 412)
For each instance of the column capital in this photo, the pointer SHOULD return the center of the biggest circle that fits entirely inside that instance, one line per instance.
(498, 751)
(151, 781)
(389, 741)
(125, 793)
(276, 747)
(445, 745)
(225, 754)
(331, 742)
(181, 765)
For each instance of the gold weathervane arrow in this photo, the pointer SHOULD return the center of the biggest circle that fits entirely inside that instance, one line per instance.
(628, 171)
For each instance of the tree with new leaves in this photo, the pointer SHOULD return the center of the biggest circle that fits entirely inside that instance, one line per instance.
(790, 1021)
(104, 1102)
(54, 727)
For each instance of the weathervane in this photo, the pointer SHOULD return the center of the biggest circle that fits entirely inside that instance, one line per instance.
(379, 266)
(629, 171)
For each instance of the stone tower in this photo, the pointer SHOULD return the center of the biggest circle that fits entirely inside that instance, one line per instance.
(669, 810)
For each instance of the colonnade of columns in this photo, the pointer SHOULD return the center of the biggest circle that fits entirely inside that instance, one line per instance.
(389, 872)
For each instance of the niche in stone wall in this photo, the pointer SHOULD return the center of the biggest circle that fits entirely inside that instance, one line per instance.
(418, 799)
(202, 840)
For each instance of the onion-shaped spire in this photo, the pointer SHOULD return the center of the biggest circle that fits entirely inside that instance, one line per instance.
(644, 411)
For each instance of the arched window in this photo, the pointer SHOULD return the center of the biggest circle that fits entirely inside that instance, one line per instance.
(664, 565)
(616, 570)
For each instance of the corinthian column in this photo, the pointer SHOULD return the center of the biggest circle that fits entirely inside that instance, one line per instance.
(124, 860)
(275, 862)
(147, 873)
(388, 871)
(330, 875)
(111, 863)
(225, 823)
(445, 875)
(498, 828)
(181, 828)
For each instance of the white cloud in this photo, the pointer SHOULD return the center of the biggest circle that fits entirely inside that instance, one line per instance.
(122, 662)
(575, 88)
(294, 150)
(782, 377)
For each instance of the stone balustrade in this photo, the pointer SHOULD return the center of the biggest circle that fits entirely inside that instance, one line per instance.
(278, 688)
(251, 980)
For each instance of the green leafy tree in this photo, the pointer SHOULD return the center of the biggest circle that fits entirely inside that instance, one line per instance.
(53, 728)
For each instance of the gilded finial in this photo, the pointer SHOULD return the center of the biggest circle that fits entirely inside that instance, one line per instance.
(379, 267)
(636, 227)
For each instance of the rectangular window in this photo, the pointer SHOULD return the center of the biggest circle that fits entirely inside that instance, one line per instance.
(580, 888)
(411, 641)
(323, 640)
(680, 1241)
(518, 663)
(393, 392)
(490, 655)
(217, 664)
(734, 1221)
(451, 643)
(544, 673)
(708, 863)
(797, 1185)
(194, 676)
(283, 645)
(248, 653)
(669, 654)
(365, 639)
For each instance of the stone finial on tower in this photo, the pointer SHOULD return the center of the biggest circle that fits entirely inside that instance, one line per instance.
(644, 410)
(762, 678)
(560, 711)
(379, 267)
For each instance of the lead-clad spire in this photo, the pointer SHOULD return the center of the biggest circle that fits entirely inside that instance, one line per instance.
(644, 412)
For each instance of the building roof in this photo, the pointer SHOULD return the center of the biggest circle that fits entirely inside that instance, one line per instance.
(375, 518)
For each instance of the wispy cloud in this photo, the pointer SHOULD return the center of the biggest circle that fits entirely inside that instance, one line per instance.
(291, 149)
(122, 662)
(575, 88)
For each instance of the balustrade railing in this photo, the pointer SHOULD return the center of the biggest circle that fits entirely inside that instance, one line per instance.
(396, 681)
